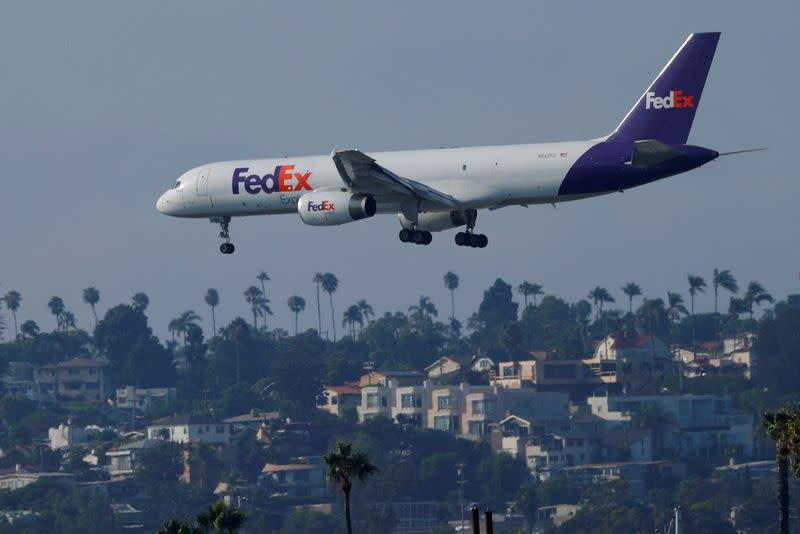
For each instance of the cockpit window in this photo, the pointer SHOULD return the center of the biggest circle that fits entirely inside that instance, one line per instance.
(177, 185)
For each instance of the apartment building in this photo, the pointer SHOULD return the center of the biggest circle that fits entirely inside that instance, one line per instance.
(130, 397)
(79, 379)
(189, 429)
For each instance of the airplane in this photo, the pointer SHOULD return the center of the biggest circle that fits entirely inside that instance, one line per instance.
(441, 189)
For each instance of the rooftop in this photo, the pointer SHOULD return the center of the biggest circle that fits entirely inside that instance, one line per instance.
(184, 419)
(76, 362)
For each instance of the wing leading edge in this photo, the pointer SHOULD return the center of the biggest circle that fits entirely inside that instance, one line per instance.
(358, 169)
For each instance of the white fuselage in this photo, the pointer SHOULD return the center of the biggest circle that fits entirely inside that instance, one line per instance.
(477, 177)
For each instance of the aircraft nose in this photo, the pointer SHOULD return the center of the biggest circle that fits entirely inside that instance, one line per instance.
(165, 204)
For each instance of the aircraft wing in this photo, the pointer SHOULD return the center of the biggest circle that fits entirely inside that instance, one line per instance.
(361, 171)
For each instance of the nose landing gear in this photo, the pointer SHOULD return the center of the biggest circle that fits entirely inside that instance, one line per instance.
(224, 226)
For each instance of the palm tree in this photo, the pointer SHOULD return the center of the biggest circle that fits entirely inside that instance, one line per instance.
(525, 289)
(221, 519)
(68, 320)
(13, 300)
(343, 466)
(56, 305)
(631, 290)
(675, 307)
(253, 296)
(537, 291)
(329, 285)
(91, 296)
(140, 302)
(451, 282)
(212, 299)
(725, 280)
(366, 310)
(782, 428)
(600, 295)
(263, 277)
(181, 324)
(296, 305)
(318, 282)
(352, 316)
(29, 329)
(173, 526)
(696, 285)
(756, 294)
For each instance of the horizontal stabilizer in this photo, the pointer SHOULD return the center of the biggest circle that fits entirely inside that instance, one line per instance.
(649, 153)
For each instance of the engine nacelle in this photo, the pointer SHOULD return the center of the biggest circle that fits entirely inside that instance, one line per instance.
(439, 220)
(329, 208)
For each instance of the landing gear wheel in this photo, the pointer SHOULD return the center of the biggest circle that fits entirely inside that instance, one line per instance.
(482, 240)
(227, 248)
(462, 238)
(427, 238)
(418, 237)
(405, 235)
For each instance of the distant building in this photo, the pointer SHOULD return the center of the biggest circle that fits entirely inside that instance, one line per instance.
(79, 379)
(250, 421)
(66, 436)
(17, 478)
(122, 461)
(189, 429)
(381, 378)
(336, 399)
(130, 397)
(18, 381)
(304, 478)
(443, 366)
(705, 425)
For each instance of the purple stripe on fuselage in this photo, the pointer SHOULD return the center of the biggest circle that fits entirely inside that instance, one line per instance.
(606, 167)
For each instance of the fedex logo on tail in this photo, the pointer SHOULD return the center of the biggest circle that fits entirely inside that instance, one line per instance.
(675, 99)
(281, 180)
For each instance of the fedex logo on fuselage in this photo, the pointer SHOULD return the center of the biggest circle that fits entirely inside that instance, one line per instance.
(281, 180)
(325, 205)
(675, 99)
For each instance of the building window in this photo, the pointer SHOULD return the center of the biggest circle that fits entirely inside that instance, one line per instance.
(220, 429)
(372, 400)
(441, 422)
(444, 402)
(73, 372)
(482, 407)
(476, 428)
(407, 400)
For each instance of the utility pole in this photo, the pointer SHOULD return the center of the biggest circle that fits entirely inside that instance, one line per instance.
(677, 520)
(461, 481)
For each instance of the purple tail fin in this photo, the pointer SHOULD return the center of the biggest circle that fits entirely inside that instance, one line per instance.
(666, 110)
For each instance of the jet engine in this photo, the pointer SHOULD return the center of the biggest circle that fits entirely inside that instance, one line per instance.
(330, 208)
(438, 221)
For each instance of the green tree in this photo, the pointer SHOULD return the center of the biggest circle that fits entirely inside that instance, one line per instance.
(451, 282)
(366, 310)
(212, 299)
(344, 465)
(91, 296)
(13, 301)
(29, 329)
(330, 284)
(296, 304)
(422, 313)
(254, 296)
(263, 278)
(696, 285)
(221, 519)
(675, 307)
(140, 301)
(600, 296)
(181, 324)
(631, 290)
(782, 427)
(57, 308)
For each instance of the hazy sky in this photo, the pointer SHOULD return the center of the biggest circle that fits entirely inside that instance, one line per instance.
(103, 104)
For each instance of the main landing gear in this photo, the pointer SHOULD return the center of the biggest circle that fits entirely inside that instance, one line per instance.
(224, 225)
(468, 239)
(415, 236)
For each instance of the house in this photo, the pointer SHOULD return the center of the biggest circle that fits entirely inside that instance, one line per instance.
(304, 478)
(79, 379)
(130, 397)
(551, 453)
(336, 399)
(640, 476)
(18, 381)
(510, 434)
(189, 429)
(66, 436)
(16, 478)
(481, 363)
(122, 461)
(446, 365)
(250, 421)
(704, 425)
(556, 514)
(381, 378)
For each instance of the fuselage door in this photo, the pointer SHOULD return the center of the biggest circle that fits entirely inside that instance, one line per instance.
(202, 182)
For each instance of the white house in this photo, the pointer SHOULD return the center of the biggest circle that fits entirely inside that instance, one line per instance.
(131, 397)
(189, 429)
(66, 436)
